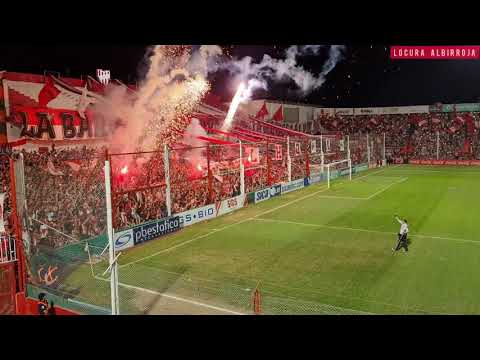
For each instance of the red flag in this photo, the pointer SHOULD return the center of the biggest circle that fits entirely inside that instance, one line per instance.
(470, 124)
(459, 120)
(262, 112)
(278, 116)
(452, 129)
(95, 86)
(48, 92)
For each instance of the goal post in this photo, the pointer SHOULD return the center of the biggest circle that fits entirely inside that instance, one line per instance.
(338, 167)
(112, 259)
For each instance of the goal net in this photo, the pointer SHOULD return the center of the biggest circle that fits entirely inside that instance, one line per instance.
(337, 169)
(326, 149)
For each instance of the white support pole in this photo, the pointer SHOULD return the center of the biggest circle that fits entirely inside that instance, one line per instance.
(384, 153)
(117, 297)
(350, 168)
(113, 263)
(348, 146)
(90, 259)
(321, 152)
(289, 160)
(328, 176)
(368, 151)
(166, 164)
(242, 171)
(438, 145)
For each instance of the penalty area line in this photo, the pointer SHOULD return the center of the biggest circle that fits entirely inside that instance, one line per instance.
(365, 230)
(386, 188)
(240, 222)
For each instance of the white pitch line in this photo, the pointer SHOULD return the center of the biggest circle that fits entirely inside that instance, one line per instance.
(341, 197)
(473, 172)
(365, 230)
(185, 242)
(362, 198)
(388, 187)
(238, 223)
(174, 297)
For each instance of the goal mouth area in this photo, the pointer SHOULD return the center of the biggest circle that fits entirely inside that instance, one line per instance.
(337, 169)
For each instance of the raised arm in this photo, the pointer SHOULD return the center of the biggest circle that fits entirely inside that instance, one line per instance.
(400, 221)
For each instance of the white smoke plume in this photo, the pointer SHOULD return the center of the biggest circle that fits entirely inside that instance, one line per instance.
(258, 74)
(176, 81)
(190, 137)
(174, 84)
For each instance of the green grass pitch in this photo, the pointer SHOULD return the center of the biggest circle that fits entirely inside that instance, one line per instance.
(323, 251)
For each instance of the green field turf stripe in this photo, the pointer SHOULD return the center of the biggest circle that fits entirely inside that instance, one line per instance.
(445, 171)
(242, 221)
(386, 188)
(365, 230)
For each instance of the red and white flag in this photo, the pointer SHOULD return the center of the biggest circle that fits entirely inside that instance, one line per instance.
(452, 129)
(73, 165)
(252, 155)
(460, 120)
(48, 92)
(51, 169)
(278, 152)
(422, 123)
(436, 121)
(262, 112)
(2, 224)
(298, 149)
(278, 116)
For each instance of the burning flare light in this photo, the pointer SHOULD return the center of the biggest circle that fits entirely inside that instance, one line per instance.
(233, 107)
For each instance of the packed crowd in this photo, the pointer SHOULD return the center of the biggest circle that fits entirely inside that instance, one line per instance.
(65, 195)
(5, 189)
(414, 136)
(65, 188)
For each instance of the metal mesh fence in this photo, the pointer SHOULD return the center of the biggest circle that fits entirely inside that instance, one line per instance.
(7, 288)
(358, 149)
(376, 147)
(166, 293)
(138, 188)
(298, 155)
(65, 210)
(65, 219)
(276, 305)
(256, 166)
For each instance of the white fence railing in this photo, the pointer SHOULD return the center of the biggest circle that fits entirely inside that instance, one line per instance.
(8, 251)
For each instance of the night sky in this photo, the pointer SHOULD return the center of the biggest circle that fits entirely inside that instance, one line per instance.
(365, 77)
